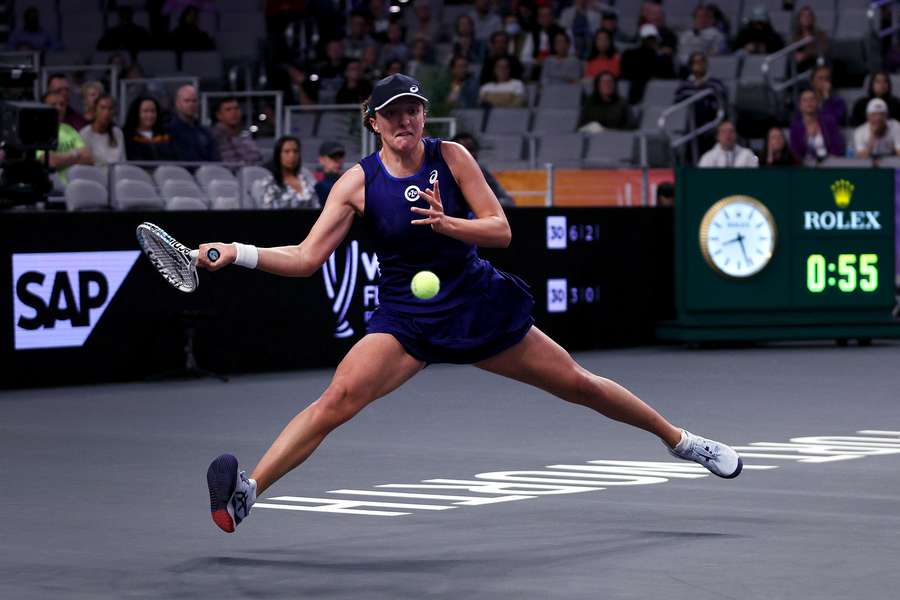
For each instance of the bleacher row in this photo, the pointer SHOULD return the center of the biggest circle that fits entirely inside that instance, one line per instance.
(126, 186)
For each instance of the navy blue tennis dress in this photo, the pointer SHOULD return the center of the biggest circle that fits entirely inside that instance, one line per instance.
(478, 312)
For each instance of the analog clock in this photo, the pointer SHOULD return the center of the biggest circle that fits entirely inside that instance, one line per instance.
(737, 236)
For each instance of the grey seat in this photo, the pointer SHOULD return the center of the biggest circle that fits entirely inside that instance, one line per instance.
(158, 63)
(84, 194)
(565, 150)
(470, 120)
(751, 68)
(724, 67)
(89, 173)
(303, 124)
(500, 148)
(555, 120)
(845, 161)
(209, 173)
(852, 24)
(660, 92)
(185, 203)
(248, 175)
(224, 188)
(123, 171)
(507, 121)
(225, 203)
(561, 95)
(131, 194)
(205, 65)
(609, 148)
(171, 172)
(177, 187)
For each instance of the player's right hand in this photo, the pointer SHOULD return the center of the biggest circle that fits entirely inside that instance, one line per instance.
(227, 254)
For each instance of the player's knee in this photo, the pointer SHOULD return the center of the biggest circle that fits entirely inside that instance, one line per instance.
(337, 405)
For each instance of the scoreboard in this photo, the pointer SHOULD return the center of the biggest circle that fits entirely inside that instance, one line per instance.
(783, 254)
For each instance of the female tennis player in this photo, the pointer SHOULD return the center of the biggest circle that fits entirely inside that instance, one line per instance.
(426, 206)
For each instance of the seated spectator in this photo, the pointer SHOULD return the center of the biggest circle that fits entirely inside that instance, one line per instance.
(727, 152)
(127, 35)
(332, 68)
(58, 83)
(369, 63)
(561, 66)
(70, 146)
(234, 142)
(145, 137)
(665, 194)
(704, 110)
(103, 137)
(516, 33)
(604, 108)
(458, 90)
(814, 136)
(90, 93)
(646, 62)
(580, 21)
(758, 36)
(604, 56)
(720, 21)
(395, 48)
(539, 42)
(828, 103)
(805, 25)
(421, 61)
(499, 45)
(190, 140)
(393, 67)
(358, 38)
(31, 36)
(879, 135)
(355, 88)
(609, 21)
(331, 167)
(652, 13)
(464, 41)
(879, 87)
(380, 18)
(291, 185)
(188, 36)
(703, 37)
(421, 24)
(776, 152)
(484, 20)
(502, 91)
(469, 143)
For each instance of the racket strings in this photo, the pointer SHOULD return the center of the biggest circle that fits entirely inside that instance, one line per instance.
(171, 259)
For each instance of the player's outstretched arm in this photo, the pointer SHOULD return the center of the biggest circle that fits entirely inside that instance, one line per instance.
(347, 198)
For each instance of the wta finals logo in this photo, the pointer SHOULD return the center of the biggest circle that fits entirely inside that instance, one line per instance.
(341, 284)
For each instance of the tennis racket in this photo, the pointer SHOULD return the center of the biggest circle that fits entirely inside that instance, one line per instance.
(175, 262)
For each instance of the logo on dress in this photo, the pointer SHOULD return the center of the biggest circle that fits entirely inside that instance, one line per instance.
(414, 89)
(412, 193)
(433, 177)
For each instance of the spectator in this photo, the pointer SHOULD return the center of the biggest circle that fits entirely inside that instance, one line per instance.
(395, 48)
(646, 62)
(720, 21)
(879, 135)
(758, 36)
(609, 21)
(469, 143)
(458, 90)
(393, 67)
(652, 13)
(355, 88)
(499, 46)
(90, 93)
(805, 25)
(702, 37)
(727, 152)
(484, 20)
(332, 68)
(234, 143)
(70, 146)
(59, 84)
(188, 36)
(103, 137)
(828, 103)
(359, 39)
(380, 18)
(31, 36)
(190, 140)
(561, 66)
(127, 35)
(464, 41)
(581, 21)
(145, 136)
(879, 87)
(539, 42)
(604, 56)
(814, 136)
(665, 194)
(421, 62)
(776, 152)
(502, 91)
(605, 109)
(369, 63)
(516, 34)
(706, 109)
(290, 185)
(421, 25)
(331, 167)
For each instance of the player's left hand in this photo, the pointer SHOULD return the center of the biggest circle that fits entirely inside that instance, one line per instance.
(434, 214)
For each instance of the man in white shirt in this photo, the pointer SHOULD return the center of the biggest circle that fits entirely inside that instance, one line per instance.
(726, 152)
(879, 135)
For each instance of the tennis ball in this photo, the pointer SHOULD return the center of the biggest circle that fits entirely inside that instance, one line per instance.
(425, 285)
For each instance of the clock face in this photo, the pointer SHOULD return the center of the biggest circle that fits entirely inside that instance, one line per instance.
(737, 236)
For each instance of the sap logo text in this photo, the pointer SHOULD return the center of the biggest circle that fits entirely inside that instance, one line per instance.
(58, 298)
(841, 220)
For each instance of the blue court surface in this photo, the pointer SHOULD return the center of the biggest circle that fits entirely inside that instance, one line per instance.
(465, 485)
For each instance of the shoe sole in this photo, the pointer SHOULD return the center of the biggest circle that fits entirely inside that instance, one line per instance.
(737, 471)
(221, 478)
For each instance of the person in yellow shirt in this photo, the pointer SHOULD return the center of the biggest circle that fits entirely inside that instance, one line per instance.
(70, 146)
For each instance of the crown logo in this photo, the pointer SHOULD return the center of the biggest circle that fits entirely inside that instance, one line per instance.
(843, 192)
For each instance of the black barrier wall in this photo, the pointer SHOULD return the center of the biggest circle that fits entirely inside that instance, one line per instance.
(81, 304)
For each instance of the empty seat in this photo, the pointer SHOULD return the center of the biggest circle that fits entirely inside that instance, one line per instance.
(84, 194)
(724, 67)
(248, 175)
(205, 65)
(225, 203)
(303, 124)
(507, 121)
(562, 149)
(209, 173)
(89, 173)
(219, 189)
(845, 161)
(561, 95)
(500, 148)
(471, 120)
(171, 172)
(555, 120)
(852, 24)
(131, 194)
(751, 68)
(185, 203)
(63, 58)
(609, 148)
(158, 62)
(177, 187)
(660, 92)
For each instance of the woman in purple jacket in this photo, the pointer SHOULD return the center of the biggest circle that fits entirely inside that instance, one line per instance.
(814, 136)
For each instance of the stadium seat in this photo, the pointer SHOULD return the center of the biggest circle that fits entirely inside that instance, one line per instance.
(303, 124)
(158, 63)
(125, 171)
(609, 148)
(554, 120)
(500, 148)
(131, 194)
(167, 172)
(225, 203)
(853, 24)
(660, 92)
(837, 162)
(724, 67)
(209, 173)
(85, 194)
(470, 120)
(247, 176)
(507, 121)
(185, 203)
(560, 95)
(207, 66)
(565, 150)
(176, 187)
(63, 58)
(89, 173)
(220, 190)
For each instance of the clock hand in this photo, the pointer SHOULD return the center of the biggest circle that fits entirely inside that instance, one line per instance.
(744, 250)
(737, 239)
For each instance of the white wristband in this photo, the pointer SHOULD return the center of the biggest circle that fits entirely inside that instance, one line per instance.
(247, 255)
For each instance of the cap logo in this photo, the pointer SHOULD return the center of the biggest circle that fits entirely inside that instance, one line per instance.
(414, 89)
(412, 193)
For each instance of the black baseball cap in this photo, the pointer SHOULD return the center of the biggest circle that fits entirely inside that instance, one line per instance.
(330, 148)
(392, 87)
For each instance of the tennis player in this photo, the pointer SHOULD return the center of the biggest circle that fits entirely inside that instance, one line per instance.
(426, 206)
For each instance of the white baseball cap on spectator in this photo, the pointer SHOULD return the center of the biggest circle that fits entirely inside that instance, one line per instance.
(648, 30)
(876, 105)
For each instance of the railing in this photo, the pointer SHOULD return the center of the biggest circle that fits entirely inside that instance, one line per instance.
(248, 113)
(793, 78)
(148, 82)
(693, 132)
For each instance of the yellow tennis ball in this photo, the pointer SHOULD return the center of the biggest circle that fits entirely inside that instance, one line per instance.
(425, 285)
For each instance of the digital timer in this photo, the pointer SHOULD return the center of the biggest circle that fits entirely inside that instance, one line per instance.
(849, 273)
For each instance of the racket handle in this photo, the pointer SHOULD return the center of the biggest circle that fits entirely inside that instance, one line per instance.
(212, 254)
